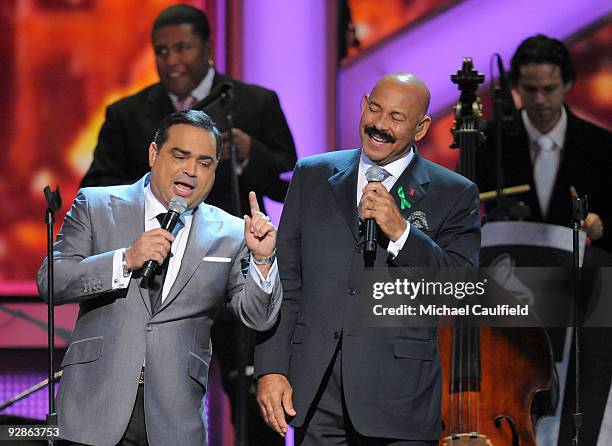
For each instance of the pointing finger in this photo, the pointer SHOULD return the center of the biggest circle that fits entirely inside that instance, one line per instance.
(253, 203)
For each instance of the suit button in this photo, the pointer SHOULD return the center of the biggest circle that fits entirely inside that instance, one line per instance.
(336, 335)
(358, 248)
(351, 291)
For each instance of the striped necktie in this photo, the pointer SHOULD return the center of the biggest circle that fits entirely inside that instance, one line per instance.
(185, 104)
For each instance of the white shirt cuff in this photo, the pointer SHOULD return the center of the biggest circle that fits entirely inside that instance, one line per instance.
(267, 285)
(396, 246)
(119, 281)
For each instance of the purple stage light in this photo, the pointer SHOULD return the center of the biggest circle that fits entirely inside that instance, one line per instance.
(285, 49)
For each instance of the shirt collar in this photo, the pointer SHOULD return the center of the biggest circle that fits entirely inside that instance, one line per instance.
(201, 91)
(557, 133)
(395, 168)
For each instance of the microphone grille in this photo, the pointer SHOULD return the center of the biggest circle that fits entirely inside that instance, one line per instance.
(178, 204)
(376, 174)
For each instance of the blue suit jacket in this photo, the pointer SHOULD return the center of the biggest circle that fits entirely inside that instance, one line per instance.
(391, 376)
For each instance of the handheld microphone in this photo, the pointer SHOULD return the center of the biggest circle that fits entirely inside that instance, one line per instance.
(369, 247)
(176, 207)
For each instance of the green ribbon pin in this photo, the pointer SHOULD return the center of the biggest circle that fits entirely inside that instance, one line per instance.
(404, 202)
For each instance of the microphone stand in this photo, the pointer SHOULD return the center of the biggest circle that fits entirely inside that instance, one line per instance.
(54, 203)
(501, 207)
(243, 334)
(505, 118)
(497, 119)
(579, 212)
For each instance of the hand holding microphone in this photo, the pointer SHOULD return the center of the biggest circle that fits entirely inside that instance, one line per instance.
(377, 207)
(152, 247)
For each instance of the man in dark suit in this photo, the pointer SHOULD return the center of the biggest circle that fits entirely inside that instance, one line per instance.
(136, 371)
(577, 153)
(341, 382)
(182, 45)
(551, 150)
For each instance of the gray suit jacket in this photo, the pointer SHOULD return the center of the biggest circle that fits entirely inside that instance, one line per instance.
(115, 330)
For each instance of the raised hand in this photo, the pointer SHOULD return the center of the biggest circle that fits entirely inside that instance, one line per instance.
(259, 232)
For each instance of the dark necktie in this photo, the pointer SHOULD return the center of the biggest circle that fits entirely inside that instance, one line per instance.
(156, 283)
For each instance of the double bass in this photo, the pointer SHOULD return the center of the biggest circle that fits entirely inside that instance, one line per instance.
(497, 382)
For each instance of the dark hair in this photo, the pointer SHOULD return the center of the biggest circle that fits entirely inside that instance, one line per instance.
(540, 49)
(196, 118)
(182, 14)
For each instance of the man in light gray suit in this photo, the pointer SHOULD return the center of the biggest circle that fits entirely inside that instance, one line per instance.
(136, 370)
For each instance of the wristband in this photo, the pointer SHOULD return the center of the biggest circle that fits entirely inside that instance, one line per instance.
(265, 260)
(126, 272)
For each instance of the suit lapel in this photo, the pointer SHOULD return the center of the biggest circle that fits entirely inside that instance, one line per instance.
(159, 106)
(344, 187)
(128, 211)
(560, 196)
(517, 153)
(204, 231)
(411, 185)
(217, 80)
(560, 201)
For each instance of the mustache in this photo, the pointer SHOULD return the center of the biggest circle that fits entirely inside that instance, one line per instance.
(373, 131)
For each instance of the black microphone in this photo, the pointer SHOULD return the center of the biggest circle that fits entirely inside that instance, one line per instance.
(369, 247)
(223, 91)
(176, 207)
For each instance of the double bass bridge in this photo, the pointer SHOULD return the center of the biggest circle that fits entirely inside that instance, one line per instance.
(467, 439)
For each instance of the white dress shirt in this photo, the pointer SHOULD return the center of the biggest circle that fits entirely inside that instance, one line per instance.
(551, 156)
(395, 168)
(199, 92)
(557, 133)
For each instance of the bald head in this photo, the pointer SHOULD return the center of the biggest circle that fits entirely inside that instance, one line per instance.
(411, 85)
(394, 116)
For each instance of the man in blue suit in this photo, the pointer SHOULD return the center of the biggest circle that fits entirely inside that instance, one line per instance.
(341, 382)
